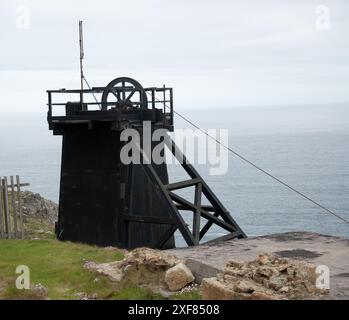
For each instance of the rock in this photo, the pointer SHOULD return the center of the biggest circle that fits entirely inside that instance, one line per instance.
(282, 268)
(267, 271)
(39, 291)
(150, 257)
(263, 259)
(111, 270)
(291, 271)
(267, 277)
(80, 295)
(276, 283)
(245, 286)
(212, 289)
(260, 295)
(178, 277)
(284, 290)
(306, 271)
(141, 267)
(33, 205)
(235, 264)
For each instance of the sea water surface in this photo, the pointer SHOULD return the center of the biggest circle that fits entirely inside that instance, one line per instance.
(305, 146)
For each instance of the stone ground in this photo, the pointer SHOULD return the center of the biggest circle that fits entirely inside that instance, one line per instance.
(207, 260)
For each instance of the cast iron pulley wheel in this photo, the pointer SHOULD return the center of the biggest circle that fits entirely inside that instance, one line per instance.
(124, 93)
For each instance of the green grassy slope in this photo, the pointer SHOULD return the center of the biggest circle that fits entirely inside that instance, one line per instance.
(56, 265)
(59, 267)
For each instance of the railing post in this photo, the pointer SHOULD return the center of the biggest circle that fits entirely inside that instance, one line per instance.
(6, 208)
(153, 99)
(49, 104)
(19, 199)
(171, 105)
(2, 230)
(14, 209)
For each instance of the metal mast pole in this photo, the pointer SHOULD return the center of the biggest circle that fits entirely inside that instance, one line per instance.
(81, 44)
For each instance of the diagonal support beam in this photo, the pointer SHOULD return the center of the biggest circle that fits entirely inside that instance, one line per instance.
(197, 213)
(207, 226)
(204, 213)
(182, 226)
(212, 198)
(169, 233)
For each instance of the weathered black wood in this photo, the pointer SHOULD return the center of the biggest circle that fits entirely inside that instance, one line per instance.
(197, 213)
(144, 200)
(204, 213)
(182, 184)
(175, 202)
(207, 226)
(167, 235)
(181, 225)
(103, 201)
(148, 219)
(97, 189)
(19, 200)
(205, 207)
(211, 197)
(6, 208)
(14, 209)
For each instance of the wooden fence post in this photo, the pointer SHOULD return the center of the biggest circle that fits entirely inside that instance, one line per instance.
(2, 230)
(14, 209)
(19, 199)
(6, 208)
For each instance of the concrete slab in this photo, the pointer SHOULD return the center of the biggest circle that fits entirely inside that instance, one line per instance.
(208, 260)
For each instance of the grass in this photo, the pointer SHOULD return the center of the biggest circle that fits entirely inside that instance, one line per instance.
(59, 267)
(38, 228)
(56, 265)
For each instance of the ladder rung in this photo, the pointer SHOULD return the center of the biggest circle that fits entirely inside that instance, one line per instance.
(182, 184)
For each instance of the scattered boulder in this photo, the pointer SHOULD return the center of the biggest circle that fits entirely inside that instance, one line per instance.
(33, 205)
(178, 277)
(112, 269)
(155, 269)
(263, 259)
(267, 277)
(37, 292)
(213, 289)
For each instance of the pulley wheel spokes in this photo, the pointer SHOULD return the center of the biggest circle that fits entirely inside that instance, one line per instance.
(124, 94)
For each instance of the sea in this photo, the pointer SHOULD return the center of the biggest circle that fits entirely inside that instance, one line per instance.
(306, 146)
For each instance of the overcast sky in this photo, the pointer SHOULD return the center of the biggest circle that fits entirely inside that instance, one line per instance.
(214, 53)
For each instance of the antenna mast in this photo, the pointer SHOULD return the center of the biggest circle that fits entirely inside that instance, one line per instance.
(81, 44)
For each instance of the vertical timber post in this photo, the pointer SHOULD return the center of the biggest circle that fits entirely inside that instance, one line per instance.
(197, 213)
(14, 209)
(19, 199)
(6, 208)
(2, 231)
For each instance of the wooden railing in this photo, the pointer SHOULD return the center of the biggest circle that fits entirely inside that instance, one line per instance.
(11, 216)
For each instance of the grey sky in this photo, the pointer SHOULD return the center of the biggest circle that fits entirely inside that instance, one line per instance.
(214, 53)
